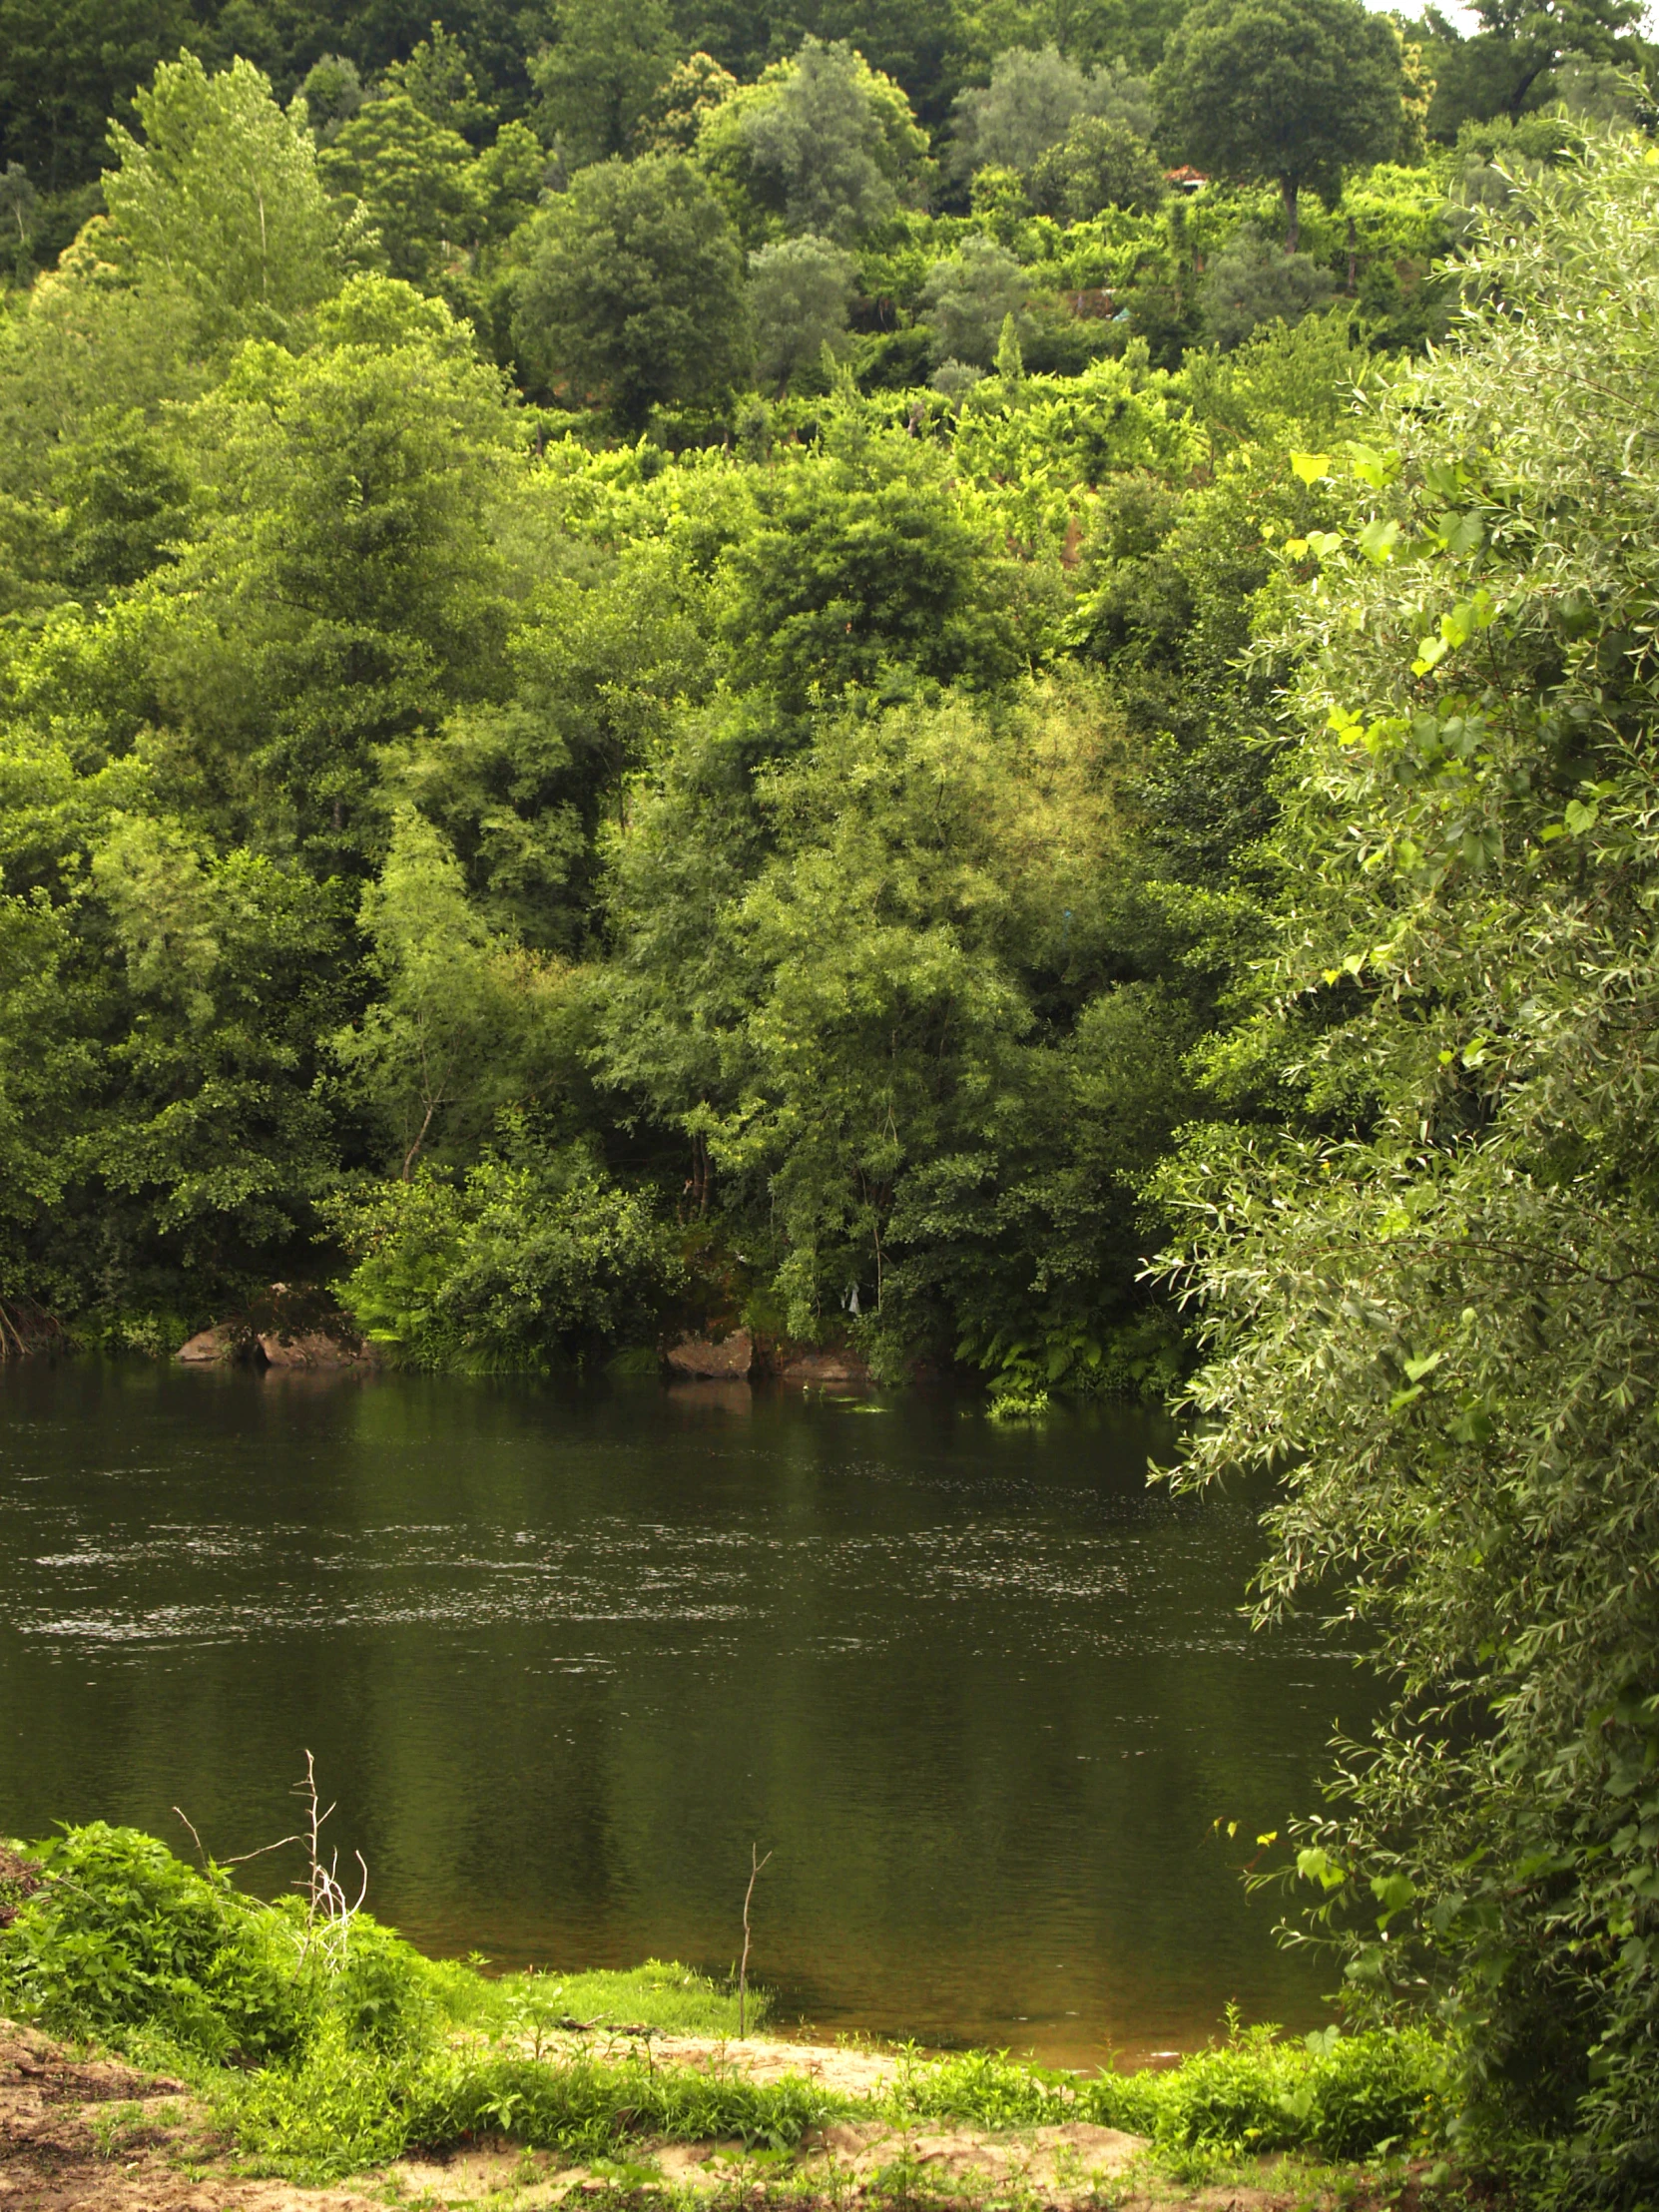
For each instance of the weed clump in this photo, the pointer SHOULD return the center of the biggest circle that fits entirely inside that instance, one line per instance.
(1341, 2096)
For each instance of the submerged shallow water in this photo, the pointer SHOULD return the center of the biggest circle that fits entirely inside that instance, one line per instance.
(563, 1655)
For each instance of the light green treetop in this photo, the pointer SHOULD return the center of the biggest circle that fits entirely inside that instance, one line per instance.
(223, 197)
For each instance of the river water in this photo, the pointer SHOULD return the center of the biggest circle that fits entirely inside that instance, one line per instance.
(563, 1655)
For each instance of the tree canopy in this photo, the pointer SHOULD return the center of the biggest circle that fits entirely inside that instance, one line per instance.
(1292, 94)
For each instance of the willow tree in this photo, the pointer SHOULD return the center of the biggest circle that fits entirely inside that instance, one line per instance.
(1432, 1308)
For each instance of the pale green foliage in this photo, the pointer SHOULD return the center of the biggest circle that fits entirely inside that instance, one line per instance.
(673, 117)
(799, 293)
(968, 297)
(1433, 1309)
(834, 139)
(1034, 98)
(223, 198)
(1255, 282)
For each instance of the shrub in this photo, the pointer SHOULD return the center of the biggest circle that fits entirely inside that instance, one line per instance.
(1342, 2096)
(1252, 281)
(122, 1937)
(122, 1934)
(529, 1263)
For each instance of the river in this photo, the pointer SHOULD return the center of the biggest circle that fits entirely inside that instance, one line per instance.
(563, 1654)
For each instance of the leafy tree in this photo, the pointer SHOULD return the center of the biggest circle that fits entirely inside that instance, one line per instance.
(1032, 101)
(526, 790)
(798, 294)
(1100, 31)
(413, 176)
(83, 345)
(634, 293)
(214, 1138)
(1508, 66)
(332, 92)
(506, 182)
(438, 78)
(1292, 95)
(968, 297)
(1429, 1299)
(832, 146)
(916, 44)
(452, 1038)
(827, 975)
(19, 217)
(123, 494)
(537, 1260)
(346, 589)
(864, 567)
(1099, 164)
(66, 69)
(597, 80)
(1030, 104)
(673, 117)
(1251, 283)
(223, 199)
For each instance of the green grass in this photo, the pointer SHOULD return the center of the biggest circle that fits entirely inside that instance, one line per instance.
(675, 2000)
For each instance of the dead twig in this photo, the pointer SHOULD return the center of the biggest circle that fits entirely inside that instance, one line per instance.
(756, 1862)
(329, 1911)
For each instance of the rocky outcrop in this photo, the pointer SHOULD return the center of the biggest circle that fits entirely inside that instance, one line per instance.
(714, 1358)
(314, 1351)
(212, 1348)
(282, 1330)
(814, 1370)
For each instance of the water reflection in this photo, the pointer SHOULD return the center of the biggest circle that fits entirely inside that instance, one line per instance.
(562, 1656)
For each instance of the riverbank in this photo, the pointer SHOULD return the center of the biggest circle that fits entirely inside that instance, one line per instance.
(84, 2129)
(171, 2039)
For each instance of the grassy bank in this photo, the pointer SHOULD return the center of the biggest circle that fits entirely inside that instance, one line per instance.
(323, 2045)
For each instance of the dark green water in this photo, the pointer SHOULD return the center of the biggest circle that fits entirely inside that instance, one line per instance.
(562, 1656)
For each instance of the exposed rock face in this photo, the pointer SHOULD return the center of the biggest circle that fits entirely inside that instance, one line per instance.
(705, 1357)
(810, 1370)
(314, 1349)
(208, 1347)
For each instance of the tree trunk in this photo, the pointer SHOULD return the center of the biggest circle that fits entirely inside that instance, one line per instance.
(1517, 98)
(1351, 249)
(1293, 229)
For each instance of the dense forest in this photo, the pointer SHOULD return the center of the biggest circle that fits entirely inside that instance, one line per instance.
(973, 681)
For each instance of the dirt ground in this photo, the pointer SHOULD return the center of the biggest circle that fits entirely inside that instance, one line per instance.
(93, 2133)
